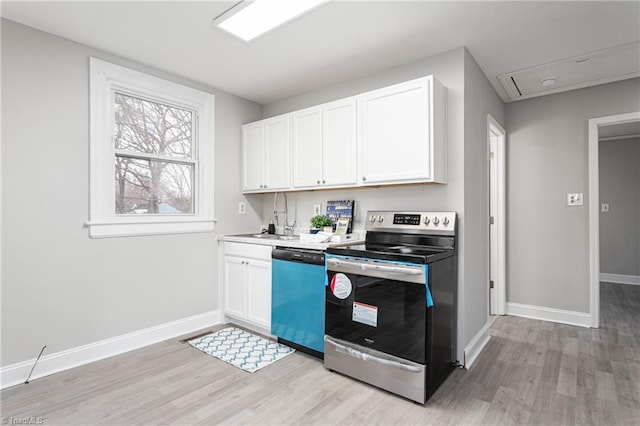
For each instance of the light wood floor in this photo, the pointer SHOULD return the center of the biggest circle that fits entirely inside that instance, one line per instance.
(531, 372)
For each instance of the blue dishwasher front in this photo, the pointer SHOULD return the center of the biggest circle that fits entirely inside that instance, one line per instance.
(297, 303)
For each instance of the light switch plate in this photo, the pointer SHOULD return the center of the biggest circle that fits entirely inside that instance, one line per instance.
(605, 208)
(575, 199)
(317, 209)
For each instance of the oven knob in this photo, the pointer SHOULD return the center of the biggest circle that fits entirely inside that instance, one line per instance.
(426, 220)
(436, 221)
(445, 221)
(380, 218)
(372, 218)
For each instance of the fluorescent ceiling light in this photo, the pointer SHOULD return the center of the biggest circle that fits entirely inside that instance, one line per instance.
(249, 19)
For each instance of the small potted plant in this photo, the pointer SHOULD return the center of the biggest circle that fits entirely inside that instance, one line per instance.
(321, 222)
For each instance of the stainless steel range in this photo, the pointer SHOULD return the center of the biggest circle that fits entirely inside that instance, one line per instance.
(390, 303)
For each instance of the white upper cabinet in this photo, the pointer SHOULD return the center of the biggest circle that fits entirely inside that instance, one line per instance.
(278, 152)
(324, 145)
(266, 148)
(339, 142)
(399, 141)
(307, 147)
(392, 135)
(253, 155)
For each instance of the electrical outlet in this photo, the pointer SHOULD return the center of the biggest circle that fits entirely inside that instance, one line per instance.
(242, 207)
(317, 209)
(575, 199)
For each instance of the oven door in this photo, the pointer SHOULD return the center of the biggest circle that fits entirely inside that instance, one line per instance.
(378, 305)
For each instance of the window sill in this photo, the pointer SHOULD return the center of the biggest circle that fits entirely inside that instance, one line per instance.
(105, 229)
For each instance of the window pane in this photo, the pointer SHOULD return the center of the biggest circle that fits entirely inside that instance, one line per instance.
(152, 128)
(153, 187)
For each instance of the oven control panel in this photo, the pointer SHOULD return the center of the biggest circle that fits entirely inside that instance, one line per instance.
(379, 220)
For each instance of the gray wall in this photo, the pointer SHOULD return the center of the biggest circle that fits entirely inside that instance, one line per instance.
(456, 70)
(480, 99)
(620, 187)
(59, 287)
(547, 157)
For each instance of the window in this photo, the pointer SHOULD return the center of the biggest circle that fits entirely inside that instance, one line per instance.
(151, 154)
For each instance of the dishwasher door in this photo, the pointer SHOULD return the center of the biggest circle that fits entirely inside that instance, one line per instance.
(297, 302)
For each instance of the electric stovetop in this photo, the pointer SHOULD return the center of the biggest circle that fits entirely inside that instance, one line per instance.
(397, 253)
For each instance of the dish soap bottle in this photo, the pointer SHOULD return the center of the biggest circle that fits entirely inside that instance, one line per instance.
(272, 228)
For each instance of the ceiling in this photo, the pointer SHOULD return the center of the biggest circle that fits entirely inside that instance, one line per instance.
(338, 41)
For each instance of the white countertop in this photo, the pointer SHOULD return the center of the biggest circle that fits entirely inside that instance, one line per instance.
(295, 243)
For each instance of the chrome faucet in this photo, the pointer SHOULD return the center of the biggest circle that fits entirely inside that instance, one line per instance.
(286, 228)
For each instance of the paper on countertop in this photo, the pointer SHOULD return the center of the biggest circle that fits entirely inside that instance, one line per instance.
(320, 237)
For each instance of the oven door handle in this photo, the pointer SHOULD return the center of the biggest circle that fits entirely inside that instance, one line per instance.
(370, 358)
(370, 267)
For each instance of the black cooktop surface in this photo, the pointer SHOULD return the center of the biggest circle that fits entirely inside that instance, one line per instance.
(395, 253)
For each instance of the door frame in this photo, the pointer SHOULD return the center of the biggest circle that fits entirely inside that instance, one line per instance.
(500, 283)
(594, 204)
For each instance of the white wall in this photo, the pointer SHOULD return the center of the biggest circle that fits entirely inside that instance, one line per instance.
(547, 157)
(619, 167)
(59, 287)
(466, 131)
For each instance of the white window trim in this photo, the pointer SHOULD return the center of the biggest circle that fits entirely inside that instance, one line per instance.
(105, 78)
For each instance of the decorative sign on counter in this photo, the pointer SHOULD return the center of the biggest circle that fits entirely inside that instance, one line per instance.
(341, 209)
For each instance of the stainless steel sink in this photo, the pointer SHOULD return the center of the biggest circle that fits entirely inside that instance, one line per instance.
(273, 237)
(288, 237)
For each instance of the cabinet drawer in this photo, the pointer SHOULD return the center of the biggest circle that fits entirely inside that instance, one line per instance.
(255, 251)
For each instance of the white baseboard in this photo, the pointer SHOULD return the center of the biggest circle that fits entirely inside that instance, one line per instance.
(620, 279)
(49, 364)
(476, 345)
(580, 319)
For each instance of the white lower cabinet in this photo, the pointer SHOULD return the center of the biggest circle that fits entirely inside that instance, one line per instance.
(247, 283)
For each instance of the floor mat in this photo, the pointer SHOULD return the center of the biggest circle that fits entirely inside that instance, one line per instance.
(241, 348)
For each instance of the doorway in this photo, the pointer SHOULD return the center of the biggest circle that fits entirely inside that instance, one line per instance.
(496, 140)
(595, 126)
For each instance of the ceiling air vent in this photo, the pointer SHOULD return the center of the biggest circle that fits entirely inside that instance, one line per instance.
(604, 66)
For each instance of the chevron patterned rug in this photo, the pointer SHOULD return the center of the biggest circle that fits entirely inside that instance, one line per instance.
(241, 349)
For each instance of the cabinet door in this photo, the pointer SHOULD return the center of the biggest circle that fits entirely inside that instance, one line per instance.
(277, 152)
(339, 142)
(259, 292)
(235, 293)
(395, 144)
(307, 147)
(253, 156)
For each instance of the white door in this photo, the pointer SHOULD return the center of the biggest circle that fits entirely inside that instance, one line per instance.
(253, 156)
(395, 133)
(307, 147)
(497, 211)
(235, 293)
(339, 156)
(277, 152)
(259, 292)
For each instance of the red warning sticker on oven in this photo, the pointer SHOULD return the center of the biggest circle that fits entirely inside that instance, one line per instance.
(340, 286)
(365, 314)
